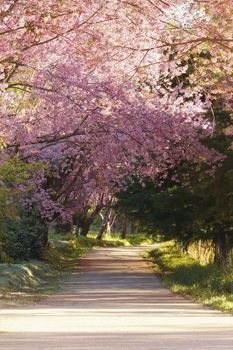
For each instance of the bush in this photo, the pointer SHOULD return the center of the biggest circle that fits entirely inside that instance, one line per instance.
(26, 236)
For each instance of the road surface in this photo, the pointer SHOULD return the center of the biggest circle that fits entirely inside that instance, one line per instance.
(114, 301)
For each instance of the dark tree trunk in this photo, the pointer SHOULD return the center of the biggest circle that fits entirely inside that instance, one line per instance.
(45, 237)
(124, 228)
(223, 249)
(86, 221)
(57, 226)
(76, 230)
(71, 228)
(52, 226)
(85, 227)
(76, 225)
(133, 229)
(65, 227)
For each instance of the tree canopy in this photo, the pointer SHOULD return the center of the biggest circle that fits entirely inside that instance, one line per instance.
(98, 91)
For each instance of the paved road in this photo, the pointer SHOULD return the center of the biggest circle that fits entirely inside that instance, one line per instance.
(114, 301)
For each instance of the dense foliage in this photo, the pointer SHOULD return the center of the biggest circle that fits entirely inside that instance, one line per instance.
(96, 92)
(26, 236)
(199, 208)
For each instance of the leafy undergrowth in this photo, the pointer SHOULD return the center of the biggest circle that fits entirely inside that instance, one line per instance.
(32, 281)
(209, 284)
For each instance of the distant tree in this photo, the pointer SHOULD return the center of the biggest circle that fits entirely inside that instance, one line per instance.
(199, 209)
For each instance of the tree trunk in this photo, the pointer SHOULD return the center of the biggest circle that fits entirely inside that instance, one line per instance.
(62, 227)
(52, 226)
(107, 222)
(45, 238)
(103, 226)
(223, 249)
(76, 225)
(82, 221)
(76, 230)
(123, 228)
(71, 228)
(133, 229)
(110, 223)
(85, 222)
(85, 227)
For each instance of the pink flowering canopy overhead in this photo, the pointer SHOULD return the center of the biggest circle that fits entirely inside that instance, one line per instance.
(81, 90)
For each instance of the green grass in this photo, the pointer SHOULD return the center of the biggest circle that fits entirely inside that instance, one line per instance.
(107, 241)
(140, 239)
(210, 285)
(91, 242)
(32, 281)
(26, 282)
(114, 240)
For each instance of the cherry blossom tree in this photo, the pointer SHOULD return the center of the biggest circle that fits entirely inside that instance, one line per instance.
(93, 135)
(82, 91)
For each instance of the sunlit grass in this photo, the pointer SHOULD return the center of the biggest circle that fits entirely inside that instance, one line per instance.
(32, 281)
(27, 281)
(91, 241)
(113, 240)
(130, 240)
(209, 284)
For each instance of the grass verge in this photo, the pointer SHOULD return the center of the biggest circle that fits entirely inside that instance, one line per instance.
(107, 241)
(210, 285)
(92, 242)
(32, 281)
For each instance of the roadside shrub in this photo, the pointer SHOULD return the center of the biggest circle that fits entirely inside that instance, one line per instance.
(26, 236)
